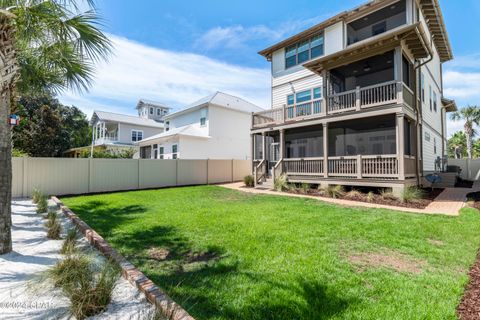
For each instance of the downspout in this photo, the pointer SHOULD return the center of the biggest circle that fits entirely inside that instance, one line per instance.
(418, 113)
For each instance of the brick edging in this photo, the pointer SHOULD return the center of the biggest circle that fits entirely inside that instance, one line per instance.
(154, 294)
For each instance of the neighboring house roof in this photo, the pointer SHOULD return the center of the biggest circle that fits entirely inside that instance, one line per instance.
(124, 118)
(220, 99)
(189, 130)
(430, 9)
(143, 102)
(450, 105)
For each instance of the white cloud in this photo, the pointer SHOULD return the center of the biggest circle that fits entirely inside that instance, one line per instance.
(138, 71)
(237, 36)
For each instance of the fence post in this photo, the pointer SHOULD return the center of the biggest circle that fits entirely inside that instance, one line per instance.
(176, 172)
(207, 171)
(232, 168)
(24, 177)
(138, 174)
(90, 175)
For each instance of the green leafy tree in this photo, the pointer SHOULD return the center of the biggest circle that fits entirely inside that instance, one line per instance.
(48, 128)
(470, 115)
(45, 46)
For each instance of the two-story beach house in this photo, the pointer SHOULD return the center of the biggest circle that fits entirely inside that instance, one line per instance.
(214, 127)
(115, 132)
(357, 99)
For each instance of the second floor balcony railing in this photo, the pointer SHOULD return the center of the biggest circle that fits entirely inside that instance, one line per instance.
(386, 93)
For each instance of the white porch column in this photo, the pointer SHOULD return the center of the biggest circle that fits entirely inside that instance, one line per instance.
(400, 131)
(324, 93)
(252, 147)
(398, 72)
(282, 144)
(264, 146)
(325, 150)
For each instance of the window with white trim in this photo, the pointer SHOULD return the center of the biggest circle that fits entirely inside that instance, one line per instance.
(430, 94)
(434, 145)
(137, 135)
(174, 151)
(167, 125)
(304, 51)
(159, 112)
(155, 151)
(422, 86)
(203, 117)
(304, 96)
(434, 101)
(161, 152)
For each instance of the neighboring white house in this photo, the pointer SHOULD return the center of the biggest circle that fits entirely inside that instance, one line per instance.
(215, 127)
(115, 132)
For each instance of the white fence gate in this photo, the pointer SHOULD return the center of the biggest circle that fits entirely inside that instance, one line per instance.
(60, 176)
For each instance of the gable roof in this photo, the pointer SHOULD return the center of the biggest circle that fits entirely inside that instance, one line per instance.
(124, 118)
(189, 130)
(430, 9)
(219, 99)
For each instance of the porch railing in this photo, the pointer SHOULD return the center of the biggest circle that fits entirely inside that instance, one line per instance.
(303, 166)
(378, 94)
(352, 167)
(353, 100)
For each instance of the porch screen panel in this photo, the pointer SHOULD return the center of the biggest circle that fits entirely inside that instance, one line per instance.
(371, 137)
(304, 144)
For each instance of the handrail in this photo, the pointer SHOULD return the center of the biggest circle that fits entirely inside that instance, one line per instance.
(255, 171)
(300, 159)
(342, 93)
(407, 87)
(275, 167)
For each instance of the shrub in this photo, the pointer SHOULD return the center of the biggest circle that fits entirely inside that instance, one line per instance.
(249, 181)
(69, 244)
(42, 205)
(370, 196)
(36, 195)
(412, 194)
(334, 191)
(54, 228)
(281, 183)
(388, 195)
(305, 187)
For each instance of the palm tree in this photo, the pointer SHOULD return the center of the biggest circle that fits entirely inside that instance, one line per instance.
(45, 46)
(457, 143)
(471, 116)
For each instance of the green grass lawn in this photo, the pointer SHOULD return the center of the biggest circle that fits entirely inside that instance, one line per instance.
(233, 255)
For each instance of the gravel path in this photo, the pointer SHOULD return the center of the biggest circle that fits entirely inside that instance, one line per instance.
(23, 292)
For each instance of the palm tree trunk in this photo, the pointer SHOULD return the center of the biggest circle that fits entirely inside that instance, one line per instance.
(469, 136)
(8, 73)
(5, 174)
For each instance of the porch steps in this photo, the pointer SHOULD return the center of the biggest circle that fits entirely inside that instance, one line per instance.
(267, 184)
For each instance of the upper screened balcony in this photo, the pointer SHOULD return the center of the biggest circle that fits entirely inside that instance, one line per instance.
(377, 22)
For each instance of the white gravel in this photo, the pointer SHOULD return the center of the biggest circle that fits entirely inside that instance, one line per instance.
(24, 293)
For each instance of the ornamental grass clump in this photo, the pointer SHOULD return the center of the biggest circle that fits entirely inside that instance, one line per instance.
(36, 195)
(412, 194)
(335, 191)
(70, 242)
(388, 195)
(305, 187)
(370, 196)
(87, 284)
(249, 181)
(54, 227)
(281, 183)
(42, 204)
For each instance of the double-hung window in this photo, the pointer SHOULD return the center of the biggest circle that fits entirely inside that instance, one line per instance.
(155, 151)
(304, 51)
(434, 101)
(431, 97)
(167, 125)
(137, 135)
(151, 110)
(174, 151)
(161, 152)
(158, 112)
(303, 96)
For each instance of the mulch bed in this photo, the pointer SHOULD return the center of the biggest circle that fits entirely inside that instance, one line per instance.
(469, 307)
(429, 196)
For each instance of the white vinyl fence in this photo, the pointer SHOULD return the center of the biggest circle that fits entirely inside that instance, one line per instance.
(470, 168)
(60, 176)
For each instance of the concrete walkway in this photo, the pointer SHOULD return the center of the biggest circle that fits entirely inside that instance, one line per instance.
(449, 202)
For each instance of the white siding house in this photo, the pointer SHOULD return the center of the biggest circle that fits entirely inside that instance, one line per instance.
(215, 127)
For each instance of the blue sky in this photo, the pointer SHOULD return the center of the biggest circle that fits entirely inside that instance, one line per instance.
(179, 51)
